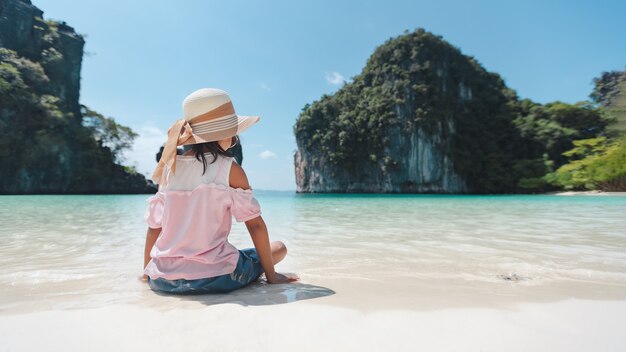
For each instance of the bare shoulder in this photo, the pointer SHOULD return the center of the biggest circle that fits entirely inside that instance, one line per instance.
(238, 178)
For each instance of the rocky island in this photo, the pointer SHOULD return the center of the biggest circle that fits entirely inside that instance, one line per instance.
(422, 117)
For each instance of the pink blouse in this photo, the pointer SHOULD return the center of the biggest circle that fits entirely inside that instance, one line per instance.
(194, 214)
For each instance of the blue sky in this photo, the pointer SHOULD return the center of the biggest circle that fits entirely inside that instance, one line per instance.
(273, 57)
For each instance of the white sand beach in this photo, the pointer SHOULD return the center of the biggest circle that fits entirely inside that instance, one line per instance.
(343, 321)
(375, 314)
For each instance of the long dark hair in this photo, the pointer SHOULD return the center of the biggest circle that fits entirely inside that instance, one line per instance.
(211, 147)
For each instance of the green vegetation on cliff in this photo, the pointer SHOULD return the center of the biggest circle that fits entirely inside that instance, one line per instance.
(610, 93)
(548, 131)
(44, 149)
(599, 163)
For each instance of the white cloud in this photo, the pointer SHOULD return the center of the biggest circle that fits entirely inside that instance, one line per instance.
(335, 78)
(265, 87)
(145, 147)
(266, 154)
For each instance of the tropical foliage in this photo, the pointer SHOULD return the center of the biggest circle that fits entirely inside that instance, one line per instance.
(598, 163)
(498, 143)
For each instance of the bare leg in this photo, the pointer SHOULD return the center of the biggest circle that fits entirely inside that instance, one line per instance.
(279, 251)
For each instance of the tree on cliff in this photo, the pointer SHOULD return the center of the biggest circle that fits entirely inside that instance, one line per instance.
(108, 133)
(610, 93)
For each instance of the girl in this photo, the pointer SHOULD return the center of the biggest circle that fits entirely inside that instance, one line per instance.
(189, 218)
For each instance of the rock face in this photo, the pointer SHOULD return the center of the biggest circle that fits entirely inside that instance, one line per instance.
(44, 147)
(424, 168)
(23, 30)
(416, 120)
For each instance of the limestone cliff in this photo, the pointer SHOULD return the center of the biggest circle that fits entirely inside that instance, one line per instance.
(421, 118)
(44, 146)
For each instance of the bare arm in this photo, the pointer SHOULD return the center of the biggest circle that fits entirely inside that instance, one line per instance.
(260, 238)
(151, 237)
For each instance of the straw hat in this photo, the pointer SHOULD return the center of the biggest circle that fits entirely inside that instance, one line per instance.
(212, 116)
(208, 116)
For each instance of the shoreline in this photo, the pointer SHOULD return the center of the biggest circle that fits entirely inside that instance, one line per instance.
(586, 193)
(295, 192)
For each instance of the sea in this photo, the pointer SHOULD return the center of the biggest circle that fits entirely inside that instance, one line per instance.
(77, 251)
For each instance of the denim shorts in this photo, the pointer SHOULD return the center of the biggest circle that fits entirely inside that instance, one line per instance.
(248, 269)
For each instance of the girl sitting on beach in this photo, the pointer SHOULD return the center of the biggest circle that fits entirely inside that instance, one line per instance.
(189, 218)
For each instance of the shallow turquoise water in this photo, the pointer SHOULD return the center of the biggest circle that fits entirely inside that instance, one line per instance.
(57, 250)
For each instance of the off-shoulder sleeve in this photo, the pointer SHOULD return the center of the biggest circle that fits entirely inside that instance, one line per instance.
(154, 213)
(245, 206)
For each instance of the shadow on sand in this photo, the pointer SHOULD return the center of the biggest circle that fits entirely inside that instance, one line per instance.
(260, 293)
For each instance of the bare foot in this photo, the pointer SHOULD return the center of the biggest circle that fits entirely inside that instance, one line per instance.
(284, 278)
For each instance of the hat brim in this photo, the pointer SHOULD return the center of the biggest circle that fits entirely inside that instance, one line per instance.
(245, 122)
